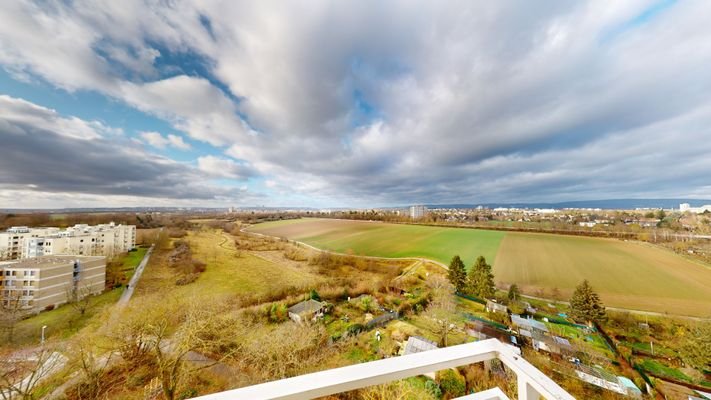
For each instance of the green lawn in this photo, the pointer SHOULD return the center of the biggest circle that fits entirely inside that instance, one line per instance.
(62, 322)
(647, 347)
(130, 261)
(626, 274)
(389, 240)
(656, 367)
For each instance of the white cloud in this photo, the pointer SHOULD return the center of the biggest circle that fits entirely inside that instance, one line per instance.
(155, 139)
(192, 105)
(223, 168)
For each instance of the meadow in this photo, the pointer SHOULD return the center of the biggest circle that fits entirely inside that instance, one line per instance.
(627, 275)
(229, 272)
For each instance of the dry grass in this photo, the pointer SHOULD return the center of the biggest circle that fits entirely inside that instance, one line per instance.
(229, 273)
(626, 274)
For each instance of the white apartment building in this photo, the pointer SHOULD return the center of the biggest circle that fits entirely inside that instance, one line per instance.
(683, 207)
(417, 212)
(81, 239)
(39, 282)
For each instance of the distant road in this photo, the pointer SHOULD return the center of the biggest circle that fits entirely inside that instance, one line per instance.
(126, 296)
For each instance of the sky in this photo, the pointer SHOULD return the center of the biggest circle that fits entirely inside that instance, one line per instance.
(352, 103)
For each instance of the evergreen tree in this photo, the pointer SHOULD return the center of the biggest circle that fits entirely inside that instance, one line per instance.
(458, 274)
(514, 292)
(480, 280)
(585, 305)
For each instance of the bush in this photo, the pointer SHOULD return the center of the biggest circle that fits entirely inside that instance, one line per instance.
(355, 329)
(433, 389)
(188, 394)
(452, 384)
(177, 233)
(278, 312)
(199, 266)
(186, 279)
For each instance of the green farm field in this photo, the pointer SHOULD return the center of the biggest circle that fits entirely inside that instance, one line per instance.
(388, 240)
(627, 275)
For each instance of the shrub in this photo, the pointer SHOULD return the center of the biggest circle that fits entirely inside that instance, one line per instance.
(433, 389)
(199, 266)
(186, 279)
(188, 394)
(177, 233)
(355, 329)
(452, 384)
(278, 312)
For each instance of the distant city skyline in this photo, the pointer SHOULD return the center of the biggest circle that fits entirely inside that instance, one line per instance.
(359, 104)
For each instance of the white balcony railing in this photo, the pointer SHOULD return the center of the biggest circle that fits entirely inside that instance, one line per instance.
(532, 383)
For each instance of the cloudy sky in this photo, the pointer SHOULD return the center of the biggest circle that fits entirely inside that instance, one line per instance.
(361, 103)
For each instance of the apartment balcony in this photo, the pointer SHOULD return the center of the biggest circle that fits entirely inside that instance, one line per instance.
(532, 383)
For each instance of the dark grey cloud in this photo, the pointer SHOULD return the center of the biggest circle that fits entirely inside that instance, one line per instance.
(46, 152)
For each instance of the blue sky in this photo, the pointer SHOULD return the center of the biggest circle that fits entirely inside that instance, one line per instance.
(217, 103)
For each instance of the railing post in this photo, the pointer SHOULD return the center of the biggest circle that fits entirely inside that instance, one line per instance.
(526, 391)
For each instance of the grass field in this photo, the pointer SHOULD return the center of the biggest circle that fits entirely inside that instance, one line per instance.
(226, 273)
(626, 274)
(388, 240)
(130, 261)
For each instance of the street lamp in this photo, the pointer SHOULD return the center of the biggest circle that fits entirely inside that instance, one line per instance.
(43, 328)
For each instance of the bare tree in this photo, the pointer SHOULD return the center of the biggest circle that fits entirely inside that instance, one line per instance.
(442, 307)
(169, 336)
(19, 377)
(79, 297)
(12, 310)
(172, 354)
(92, 364)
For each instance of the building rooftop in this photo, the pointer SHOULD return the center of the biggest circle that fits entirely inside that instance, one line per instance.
(528, 323)
(417, 344)
(308, 306)
(50, 261)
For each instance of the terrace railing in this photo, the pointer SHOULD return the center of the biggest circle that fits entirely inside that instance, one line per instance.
(532, 383)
